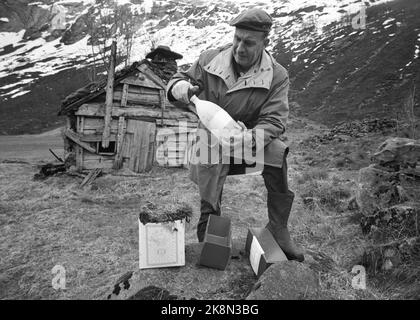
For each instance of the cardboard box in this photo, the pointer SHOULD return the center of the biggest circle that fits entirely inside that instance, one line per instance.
(162, 244)
(217, 244)
(263, 250)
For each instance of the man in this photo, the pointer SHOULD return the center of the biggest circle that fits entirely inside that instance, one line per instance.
(163, 62)
(246, 81)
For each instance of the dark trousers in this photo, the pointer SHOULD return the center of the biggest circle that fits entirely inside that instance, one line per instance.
(275, 180)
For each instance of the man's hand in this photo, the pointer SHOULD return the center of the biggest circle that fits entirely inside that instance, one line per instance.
(238, 140)
(180, 91)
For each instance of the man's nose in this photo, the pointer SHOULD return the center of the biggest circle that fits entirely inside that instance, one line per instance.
(240, 47)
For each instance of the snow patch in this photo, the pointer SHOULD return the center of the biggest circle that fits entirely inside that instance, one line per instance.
(388, 21)
(21, 93)
(20, 83)
(7, 38)
(4, 19)
(340, 37)
(188, 40)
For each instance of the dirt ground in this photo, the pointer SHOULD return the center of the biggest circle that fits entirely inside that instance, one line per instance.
(93, 231)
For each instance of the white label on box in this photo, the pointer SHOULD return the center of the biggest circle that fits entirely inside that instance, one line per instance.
(255, 254)
(161, 244)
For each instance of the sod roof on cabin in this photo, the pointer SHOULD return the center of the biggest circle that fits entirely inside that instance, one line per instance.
(73, 101)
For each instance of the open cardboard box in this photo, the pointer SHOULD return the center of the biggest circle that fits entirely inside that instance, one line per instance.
(217, 245)
(162, 244)
(263, 250)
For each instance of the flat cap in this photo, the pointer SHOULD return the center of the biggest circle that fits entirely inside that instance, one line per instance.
(253, 19)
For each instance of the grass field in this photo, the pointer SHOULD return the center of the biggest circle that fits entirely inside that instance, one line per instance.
(93, 231)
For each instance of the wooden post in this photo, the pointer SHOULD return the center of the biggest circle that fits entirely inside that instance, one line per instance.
(109, 95)
(162, 104)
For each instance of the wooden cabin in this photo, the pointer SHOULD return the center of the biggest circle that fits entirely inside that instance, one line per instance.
(145, 129)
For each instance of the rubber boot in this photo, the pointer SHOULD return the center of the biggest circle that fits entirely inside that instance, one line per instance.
(206, 210)
(279, 206)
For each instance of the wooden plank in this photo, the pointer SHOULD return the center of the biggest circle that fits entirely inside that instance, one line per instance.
(145, 144)
(162, 104)
(127, 142)
(80, 124)
(96, 110)
(109, 95)
(189, 149)
(176, 123)
(91, 132)
(173, 148)
(90, 177)
(172, 138)
(135, 144)
(171, 154)
(98, 124)
(136, 98)
(124, 95)
(96, 157)
(79, 157)
(121, 133)
(140, 146)
(175, 131)
(76, 138)
(152, 146)
(144, 90)
(97, 164)
(95, 137)
(155, 113)
(169, 161)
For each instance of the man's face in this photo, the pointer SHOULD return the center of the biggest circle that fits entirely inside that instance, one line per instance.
(248, 46)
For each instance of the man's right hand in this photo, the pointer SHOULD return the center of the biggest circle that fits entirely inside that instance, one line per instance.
(180, 91)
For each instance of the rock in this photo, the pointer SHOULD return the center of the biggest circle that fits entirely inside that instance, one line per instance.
(286, 280)
(77, 31)
(32, 34)
(390, 255)
(401, 219)
(342, 138)
(319, 261)
(398, 152)
(22, 16)
(194, 281)
(152, 293)
(352, 205)
(376, 189)
(346, 131)
(55, 34)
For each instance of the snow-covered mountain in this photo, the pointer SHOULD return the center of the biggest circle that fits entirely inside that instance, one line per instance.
(327, 46)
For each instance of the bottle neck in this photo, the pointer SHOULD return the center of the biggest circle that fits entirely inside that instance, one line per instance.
(194, 99)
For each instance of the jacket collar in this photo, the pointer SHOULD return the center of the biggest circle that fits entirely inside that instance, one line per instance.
(259, 76)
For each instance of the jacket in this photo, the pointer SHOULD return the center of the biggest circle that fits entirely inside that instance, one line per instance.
(259, 99)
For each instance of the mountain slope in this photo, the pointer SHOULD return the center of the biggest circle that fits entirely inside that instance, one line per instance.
(353, 75)
(337, 72)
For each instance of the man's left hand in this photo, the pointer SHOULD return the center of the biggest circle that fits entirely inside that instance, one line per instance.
(238, 141)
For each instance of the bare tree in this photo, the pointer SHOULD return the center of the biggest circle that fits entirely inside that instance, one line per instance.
(108, 22)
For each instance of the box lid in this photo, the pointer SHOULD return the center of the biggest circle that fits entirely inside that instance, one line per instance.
(272, 251)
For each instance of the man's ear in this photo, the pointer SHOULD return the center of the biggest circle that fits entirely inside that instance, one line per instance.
(266, 42)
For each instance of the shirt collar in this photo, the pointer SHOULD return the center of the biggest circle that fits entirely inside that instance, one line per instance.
(258, 76)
